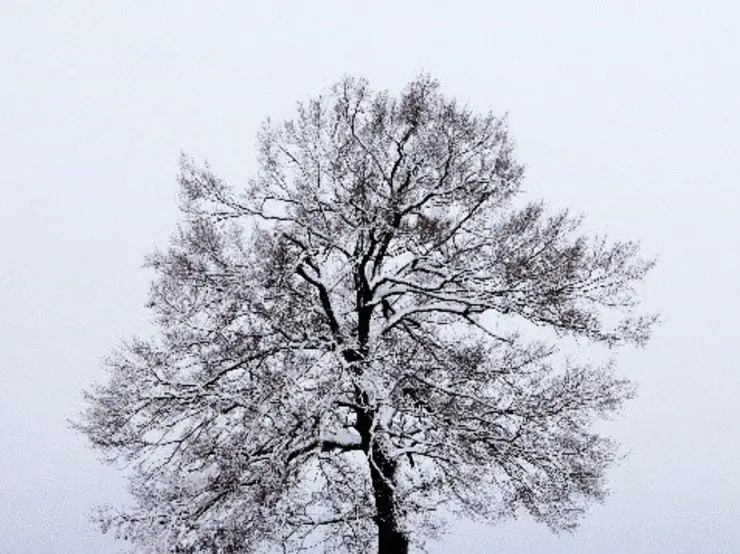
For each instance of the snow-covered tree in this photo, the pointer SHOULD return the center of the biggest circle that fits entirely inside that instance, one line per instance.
(344, 352)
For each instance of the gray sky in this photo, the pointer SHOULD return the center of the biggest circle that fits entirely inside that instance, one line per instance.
(628, 111)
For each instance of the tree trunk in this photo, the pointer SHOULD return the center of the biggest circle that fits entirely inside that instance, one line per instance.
(391, 539)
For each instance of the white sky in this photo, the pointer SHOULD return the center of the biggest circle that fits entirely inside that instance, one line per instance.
(628, 111)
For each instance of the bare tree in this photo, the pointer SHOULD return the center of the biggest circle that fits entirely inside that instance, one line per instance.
(344, 349)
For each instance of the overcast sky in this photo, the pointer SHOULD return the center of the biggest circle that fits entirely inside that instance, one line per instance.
(627, 111)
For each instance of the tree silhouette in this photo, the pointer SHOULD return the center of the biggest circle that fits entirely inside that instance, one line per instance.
(353, 344)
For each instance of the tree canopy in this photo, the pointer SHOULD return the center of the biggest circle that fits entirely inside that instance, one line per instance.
(352, 345)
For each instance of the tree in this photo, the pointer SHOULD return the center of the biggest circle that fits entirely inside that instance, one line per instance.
(345, 349)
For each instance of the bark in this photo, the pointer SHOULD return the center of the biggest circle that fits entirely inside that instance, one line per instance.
(391, 539)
